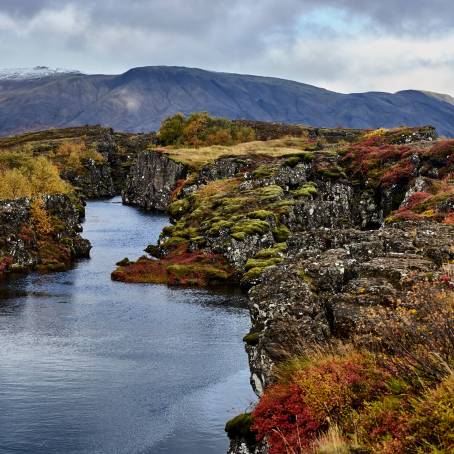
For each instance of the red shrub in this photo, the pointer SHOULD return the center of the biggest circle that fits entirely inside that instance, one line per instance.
(417, 198)
(5, 262)
(400, 172)
(291, 416)
(449, 219)
(442, 151)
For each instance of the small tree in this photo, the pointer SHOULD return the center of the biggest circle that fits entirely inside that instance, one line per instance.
(40, 218)
(14, 184)
(171, 130)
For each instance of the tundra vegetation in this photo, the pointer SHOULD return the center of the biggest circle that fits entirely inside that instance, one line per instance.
(44, 177)
(236, 218)
(233, 219)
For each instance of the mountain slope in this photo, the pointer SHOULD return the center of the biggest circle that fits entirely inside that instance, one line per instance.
(139, 99)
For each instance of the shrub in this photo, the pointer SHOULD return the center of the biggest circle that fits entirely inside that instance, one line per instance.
(45, 178)
(14, 184)
(432, 421)
(324, 389)
(417, 198)
(171, 130)
(199, 129)
(417, 334)
(40, 218)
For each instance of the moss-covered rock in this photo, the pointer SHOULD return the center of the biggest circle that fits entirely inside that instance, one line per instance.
(240, 426)
(281, 233)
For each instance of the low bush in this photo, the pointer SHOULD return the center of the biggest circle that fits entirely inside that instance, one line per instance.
(199, 129)
(32, 178)
(327, 389)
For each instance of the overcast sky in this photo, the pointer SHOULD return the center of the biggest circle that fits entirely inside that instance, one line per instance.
(343, 45)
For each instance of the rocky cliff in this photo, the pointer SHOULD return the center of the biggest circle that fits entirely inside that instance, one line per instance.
(95, 160)
(152, 180)
(327, 237)
(40, 234)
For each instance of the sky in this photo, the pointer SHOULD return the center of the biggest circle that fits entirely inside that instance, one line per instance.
(342, 45)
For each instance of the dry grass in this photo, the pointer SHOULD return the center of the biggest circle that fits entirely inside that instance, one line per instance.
(332, 442)
(197, 157)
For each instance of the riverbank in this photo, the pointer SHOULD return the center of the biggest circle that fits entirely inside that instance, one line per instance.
(90, 365)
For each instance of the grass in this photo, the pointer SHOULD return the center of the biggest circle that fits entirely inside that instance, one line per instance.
(198, 157)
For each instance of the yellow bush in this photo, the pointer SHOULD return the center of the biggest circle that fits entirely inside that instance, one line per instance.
(40, 218)
(13, 185)
(72, 154)
(45, 178)
(34, 177)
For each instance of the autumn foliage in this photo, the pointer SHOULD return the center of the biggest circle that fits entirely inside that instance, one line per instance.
(31, 177)
(327, 389)
(396, 399)
(199, 129)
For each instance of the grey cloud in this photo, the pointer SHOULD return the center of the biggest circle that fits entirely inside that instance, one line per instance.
(253, 36)
(398, 15)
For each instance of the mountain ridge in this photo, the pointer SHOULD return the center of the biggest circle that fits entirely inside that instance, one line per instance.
(140, 98)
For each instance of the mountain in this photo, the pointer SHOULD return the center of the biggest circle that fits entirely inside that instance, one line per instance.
(38, 72)
(140, 98)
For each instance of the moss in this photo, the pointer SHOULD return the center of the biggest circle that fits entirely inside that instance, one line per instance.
(252, 275)
(168, 230)
(123, 262)
(306, 278)
(216, 227)
(153, 250)
(240, 426)
(292, 161)
(251, 227)
(306, 190)
(263, 171)
(198, 241)
(239, 236)
(305, 156)
(271, 252)
(281, 233)
(173, 242)
(261, 214)
(178, 208)
(269, 193)
(252, 338)
(333, 172)
(262, 263)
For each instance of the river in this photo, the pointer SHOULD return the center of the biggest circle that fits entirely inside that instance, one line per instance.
(88, 365)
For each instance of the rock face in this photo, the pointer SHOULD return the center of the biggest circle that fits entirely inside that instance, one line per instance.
(338, 284)
(40, 233)
(95, 181)
(151, 181)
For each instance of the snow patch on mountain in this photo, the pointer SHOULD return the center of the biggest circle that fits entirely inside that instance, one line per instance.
(38, 72)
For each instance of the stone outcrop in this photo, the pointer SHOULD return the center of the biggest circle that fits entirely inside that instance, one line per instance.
(151, 181)
(95, 181)
(337, 284)
(40, 233)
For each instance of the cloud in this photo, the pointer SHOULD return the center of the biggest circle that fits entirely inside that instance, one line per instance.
(348, 45)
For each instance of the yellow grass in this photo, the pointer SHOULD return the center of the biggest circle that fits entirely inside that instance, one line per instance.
(197, 157)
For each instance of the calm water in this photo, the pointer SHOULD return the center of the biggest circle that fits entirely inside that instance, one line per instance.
(88, 365)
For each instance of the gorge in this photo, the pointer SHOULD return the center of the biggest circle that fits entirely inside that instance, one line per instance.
(328, 231)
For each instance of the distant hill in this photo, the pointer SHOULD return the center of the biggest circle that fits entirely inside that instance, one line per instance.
(141, 98)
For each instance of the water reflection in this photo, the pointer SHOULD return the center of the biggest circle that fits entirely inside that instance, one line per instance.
(94, 366)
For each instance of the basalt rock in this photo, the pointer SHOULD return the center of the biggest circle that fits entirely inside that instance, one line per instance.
(336, 284)
(95, 181)
(151, 181)
(23, 244)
